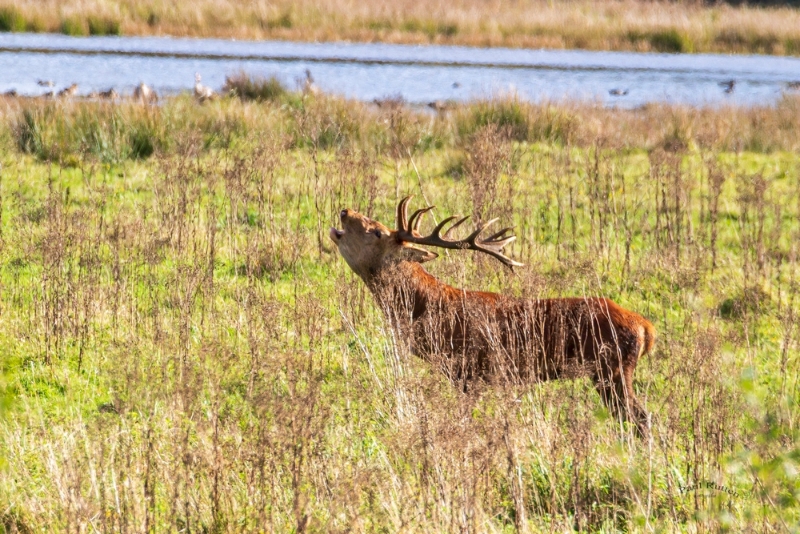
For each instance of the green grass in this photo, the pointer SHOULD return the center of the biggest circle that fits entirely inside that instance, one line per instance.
(11, 20)
(185, 349)
(103, 26)
(671, 41)
(258, 89)
(74, 26)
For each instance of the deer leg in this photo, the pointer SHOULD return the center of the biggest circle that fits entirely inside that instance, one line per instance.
(616, 390)
(636, 413)
(610, 394)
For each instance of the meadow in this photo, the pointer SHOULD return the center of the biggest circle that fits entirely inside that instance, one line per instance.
(184, 350)
(659, 26)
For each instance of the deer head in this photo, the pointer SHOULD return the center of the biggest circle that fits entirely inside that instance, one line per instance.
(369, 246)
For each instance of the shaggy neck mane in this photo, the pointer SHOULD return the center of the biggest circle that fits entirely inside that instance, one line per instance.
(417, 290)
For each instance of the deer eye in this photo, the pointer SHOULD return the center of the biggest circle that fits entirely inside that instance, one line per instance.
(377, 233)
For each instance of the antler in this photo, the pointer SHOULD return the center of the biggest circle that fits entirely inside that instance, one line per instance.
(408, 230)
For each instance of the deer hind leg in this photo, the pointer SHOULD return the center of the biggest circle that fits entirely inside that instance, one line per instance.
(616, 390)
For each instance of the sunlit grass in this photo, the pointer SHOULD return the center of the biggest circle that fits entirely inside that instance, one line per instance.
(185, 350)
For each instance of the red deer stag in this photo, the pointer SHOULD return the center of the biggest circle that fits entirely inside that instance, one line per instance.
(487, 336)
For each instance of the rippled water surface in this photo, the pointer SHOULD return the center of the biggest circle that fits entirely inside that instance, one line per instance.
(417, 73)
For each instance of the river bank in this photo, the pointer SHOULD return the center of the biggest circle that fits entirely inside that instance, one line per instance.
(593, 25)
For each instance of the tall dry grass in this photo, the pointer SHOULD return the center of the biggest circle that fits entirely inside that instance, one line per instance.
(594, 25)
(67, 131)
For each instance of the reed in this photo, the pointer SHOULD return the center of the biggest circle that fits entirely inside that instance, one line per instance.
(66, 131)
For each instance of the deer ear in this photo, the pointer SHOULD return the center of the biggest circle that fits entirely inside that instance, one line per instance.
(419, 255)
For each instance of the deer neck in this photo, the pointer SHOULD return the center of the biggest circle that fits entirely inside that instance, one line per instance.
(408, 286)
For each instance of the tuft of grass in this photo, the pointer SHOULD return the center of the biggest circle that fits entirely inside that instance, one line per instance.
(552, 124)
(429, 27)
(752, 300)
(325, 122)
(74, 26)
(283, 21)
(35, 25)
(255, 88)
(142, 142)
(103, 26)
(671, 41)
(11, 20)
(508, 115)
(52, 132)
(27, 133)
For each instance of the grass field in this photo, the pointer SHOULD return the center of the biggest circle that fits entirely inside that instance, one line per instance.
(587, 24)
(183, 349)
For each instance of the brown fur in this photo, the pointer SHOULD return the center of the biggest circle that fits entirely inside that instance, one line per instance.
(474, 335)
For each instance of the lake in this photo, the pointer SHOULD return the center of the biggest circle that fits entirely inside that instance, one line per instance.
(419, 74)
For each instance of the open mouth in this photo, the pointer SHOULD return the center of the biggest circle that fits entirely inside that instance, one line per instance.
(335, 234)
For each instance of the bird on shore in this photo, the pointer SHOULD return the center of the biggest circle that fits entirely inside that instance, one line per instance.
(793, 86)
(69, 91)
(45, 83)
(456, 85)
(309, 87)
(729, 86)
(440, 106)
(202, 92)
(618, 92)
(109, 94)
(144, 94)
(390, 103)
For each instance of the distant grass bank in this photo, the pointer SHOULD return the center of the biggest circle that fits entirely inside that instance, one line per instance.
(591, 25)
(70, 132)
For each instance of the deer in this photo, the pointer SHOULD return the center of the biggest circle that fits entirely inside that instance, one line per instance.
(478, 336)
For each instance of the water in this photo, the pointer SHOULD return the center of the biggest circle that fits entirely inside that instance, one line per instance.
(420, 74)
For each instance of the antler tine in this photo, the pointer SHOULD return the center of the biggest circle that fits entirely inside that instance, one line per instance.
(438, 227)
(499, 235)
(456, 225)
(416, 218)
(503, 258)
(474, 235)
(498, 245)
(402, 214)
